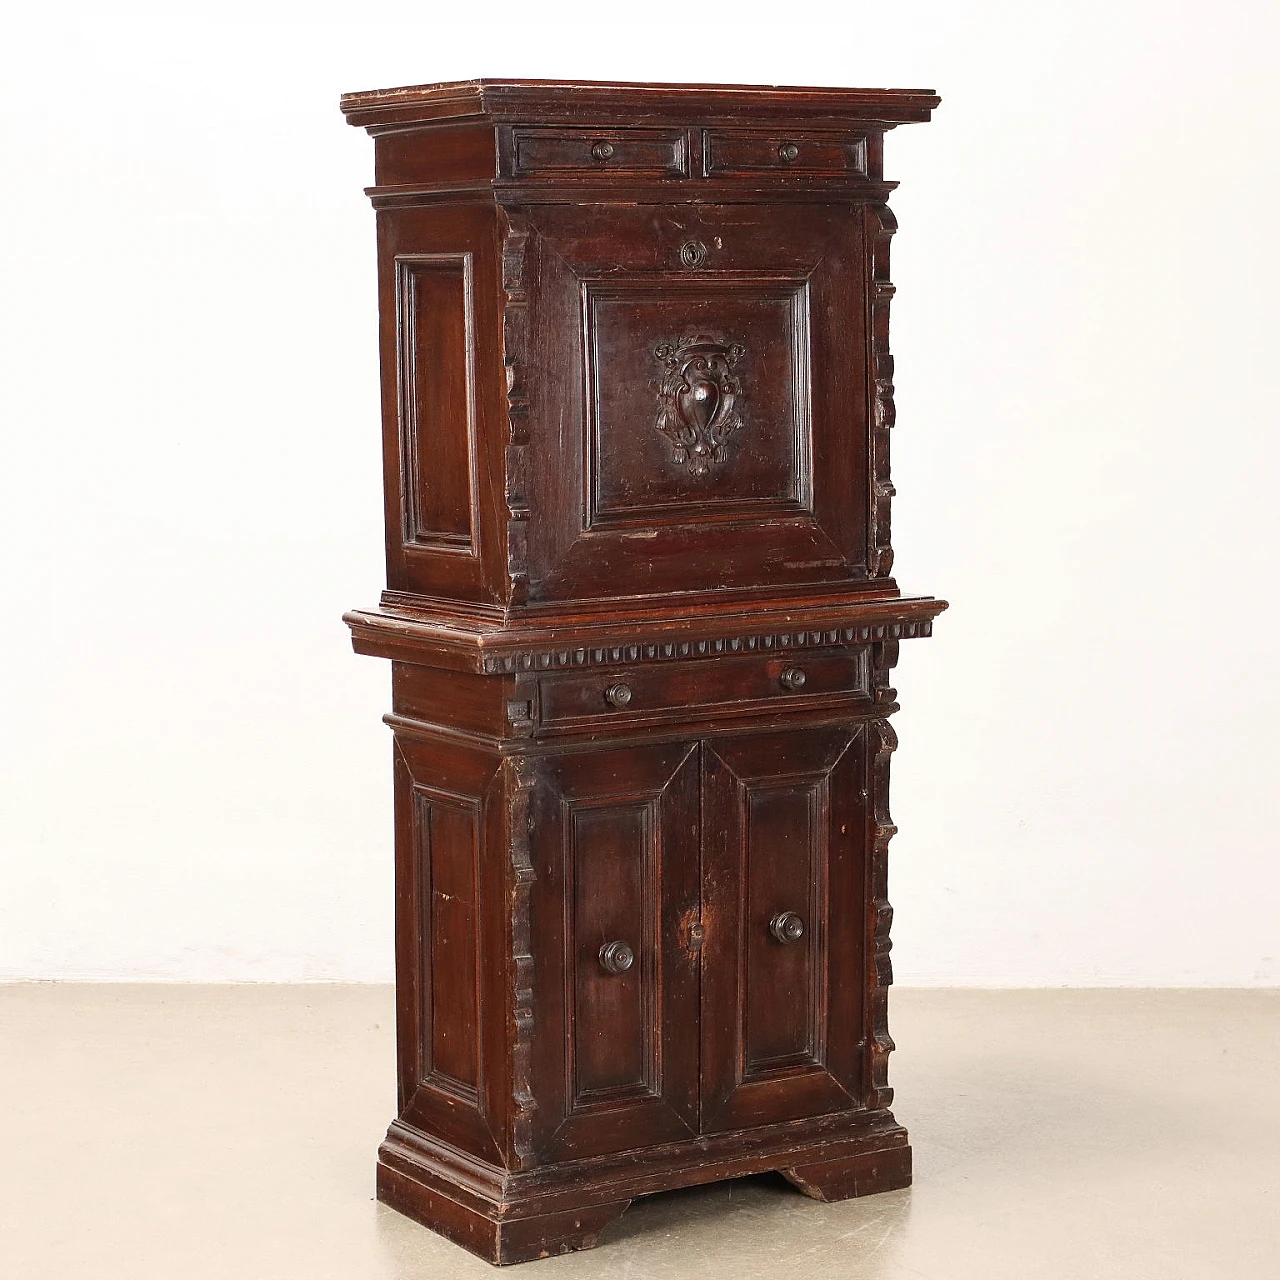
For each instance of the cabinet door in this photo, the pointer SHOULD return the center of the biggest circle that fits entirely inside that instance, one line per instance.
(614, 900)
(784, 909)
(698, 401)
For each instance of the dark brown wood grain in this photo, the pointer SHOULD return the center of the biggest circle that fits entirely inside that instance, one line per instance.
(637, 402)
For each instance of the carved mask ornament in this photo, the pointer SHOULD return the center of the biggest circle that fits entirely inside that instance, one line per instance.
(697, 397)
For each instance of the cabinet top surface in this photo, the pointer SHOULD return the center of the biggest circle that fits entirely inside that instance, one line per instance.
(561, 99)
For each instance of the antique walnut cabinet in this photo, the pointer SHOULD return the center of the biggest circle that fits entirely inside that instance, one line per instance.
(636, 399)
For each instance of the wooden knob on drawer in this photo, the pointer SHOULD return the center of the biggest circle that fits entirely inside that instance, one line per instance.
(616, 957)
(787, 927)
(792, 678)
(693, 253)
(618, 695)
(602, 150)
(788, 152)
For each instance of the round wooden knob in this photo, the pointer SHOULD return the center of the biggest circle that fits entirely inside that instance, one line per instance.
(616, 957)
(787, 927)
(792, 678)
(788, 152)
(618, 695)
(602, 150)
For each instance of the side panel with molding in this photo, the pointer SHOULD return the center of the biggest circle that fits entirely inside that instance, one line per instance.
(449, 996)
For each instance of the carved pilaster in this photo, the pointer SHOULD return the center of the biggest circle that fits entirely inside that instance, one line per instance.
(883, 743)
(514, 358)
(520, 782)
(880, 225)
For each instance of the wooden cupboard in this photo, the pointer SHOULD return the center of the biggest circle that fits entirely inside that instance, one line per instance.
(637, 396)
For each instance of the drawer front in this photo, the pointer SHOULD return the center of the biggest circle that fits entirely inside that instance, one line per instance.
(734, 152)
(788, 680)
(635, 151)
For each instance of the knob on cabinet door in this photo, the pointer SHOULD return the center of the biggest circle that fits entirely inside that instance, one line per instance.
(787, 927)
(792, 678)
(616, 957)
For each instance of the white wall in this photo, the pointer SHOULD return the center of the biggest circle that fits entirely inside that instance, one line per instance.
(196, 782)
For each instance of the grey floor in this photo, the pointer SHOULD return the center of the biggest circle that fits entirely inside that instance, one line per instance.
(228, 1132)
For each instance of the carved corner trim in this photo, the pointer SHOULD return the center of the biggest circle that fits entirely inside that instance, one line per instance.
(515, 329)
(698, 398)
(884, 742)
(884, 657)
(880, 224)
(520, 783)
(522, 707)
(613, 655)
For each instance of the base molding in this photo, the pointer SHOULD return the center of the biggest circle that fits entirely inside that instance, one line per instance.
(498, 1240)
(506, 1217)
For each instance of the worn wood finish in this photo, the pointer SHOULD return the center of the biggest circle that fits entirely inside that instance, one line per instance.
(637, 401)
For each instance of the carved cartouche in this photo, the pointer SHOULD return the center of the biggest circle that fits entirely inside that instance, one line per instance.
(698, 396)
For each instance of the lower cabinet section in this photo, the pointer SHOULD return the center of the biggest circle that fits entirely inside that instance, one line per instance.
(701, 923)
(616, 948)
(627, 966)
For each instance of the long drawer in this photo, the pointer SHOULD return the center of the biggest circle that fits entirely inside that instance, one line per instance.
(719, 686)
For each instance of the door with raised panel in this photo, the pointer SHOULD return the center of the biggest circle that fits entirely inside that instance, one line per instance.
(702, 384)
(784, 822)
(615, 897)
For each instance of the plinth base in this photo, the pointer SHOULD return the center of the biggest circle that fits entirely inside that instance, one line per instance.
(507, 1217)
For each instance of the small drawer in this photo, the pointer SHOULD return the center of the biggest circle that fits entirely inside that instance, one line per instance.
(732, 152)
(718, 686)
(651, 152)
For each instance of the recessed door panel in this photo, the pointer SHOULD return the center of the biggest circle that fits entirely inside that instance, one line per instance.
(784, 889)
(698, 405)
(615, 865)
(615, 895)
(784, 908)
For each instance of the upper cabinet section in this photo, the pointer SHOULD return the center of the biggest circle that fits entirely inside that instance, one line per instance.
(532, 135)
(634, 342)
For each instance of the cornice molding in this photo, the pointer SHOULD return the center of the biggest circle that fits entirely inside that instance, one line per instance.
(613, 655)
(575, 101)
(490, 646)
